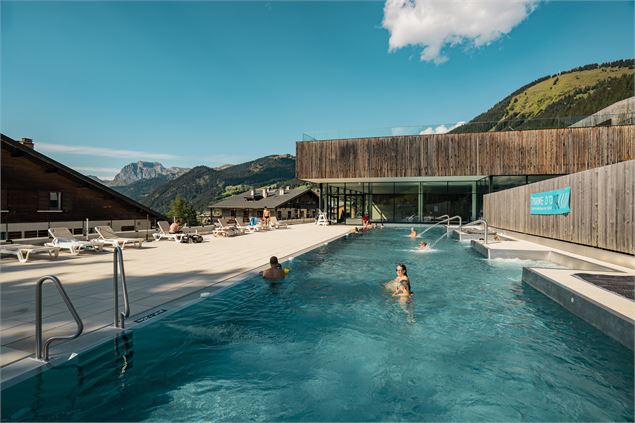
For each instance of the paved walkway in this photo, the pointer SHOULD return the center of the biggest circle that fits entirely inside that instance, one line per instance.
(159, 272)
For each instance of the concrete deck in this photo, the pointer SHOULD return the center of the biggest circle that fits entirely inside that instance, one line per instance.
(157, 273)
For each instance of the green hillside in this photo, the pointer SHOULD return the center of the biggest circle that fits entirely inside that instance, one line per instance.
(558, 100)
(203, 185)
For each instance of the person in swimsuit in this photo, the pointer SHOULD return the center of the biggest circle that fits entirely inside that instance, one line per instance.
(402, 287)
(413, 233)
(275, 272)
(423, 245)
(402, 274)
(266, 216)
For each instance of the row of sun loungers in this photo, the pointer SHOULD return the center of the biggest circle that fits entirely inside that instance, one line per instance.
(230, 229)
(63, 239)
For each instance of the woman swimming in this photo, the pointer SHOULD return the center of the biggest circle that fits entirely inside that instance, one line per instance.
(402, 289)
(402, 277)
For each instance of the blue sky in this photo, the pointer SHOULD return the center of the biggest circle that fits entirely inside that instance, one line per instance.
(100, 84)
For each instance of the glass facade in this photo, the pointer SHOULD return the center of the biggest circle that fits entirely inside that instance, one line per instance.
(406, 202)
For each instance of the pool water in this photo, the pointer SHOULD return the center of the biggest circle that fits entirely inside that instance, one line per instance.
(330, 344)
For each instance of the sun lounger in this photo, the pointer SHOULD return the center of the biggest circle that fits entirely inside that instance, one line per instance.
(225, 229)
(23, 251)
(109, 236)
(164, 232)
(246, 228)
(275, 223)
(65, 240)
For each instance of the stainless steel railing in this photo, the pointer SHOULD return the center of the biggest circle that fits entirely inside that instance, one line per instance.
(118, 268)
(484, 222)
(42, 351)
(448, 220)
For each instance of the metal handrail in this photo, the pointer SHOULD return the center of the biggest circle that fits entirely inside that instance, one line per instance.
(449, 219)
(42, 352)
(484, 222)
(117, 261)
(442, 216)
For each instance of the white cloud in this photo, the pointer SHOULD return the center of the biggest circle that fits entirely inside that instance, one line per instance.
(433, 24)
(441, 129)
(102, 152)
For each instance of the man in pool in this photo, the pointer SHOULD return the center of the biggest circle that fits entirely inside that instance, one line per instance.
(413, 233)
(423, 245)
(275, 271)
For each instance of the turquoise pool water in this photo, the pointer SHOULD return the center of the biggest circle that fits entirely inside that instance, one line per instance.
(329, 344)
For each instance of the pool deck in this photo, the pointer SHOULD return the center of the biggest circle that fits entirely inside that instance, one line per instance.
(158, 273)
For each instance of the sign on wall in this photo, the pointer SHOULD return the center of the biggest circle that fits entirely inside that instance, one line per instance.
(550, 202)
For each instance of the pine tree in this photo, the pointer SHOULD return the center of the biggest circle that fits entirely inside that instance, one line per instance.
(181, 209)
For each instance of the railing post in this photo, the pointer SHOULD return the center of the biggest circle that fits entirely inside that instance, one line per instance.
(115, 285)
(42, 351)
(117, 263)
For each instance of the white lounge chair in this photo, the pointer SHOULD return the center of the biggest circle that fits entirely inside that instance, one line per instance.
(246, 228)
(65, 240)
(276, 224)
(23, 251)
(225, 229)
(109, 236)
(164, 232)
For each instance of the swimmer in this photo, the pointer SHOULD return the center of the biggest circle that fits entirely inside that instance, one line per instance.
(275, 272)
(402, 287)
(402, 275)
(423, 245)
(413, 233)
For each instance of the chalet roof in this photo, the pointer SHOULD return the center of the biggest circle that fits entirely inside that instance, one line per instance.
(272, 201)
(67, 171)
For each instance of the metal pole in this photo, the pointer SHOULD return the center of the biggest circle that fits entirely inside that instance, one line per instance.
(115, 280)
(38, 319)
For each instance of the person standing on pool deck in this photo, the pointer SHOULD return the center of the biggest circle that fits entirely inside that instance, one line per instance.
(275, 272)
(266, 216)
(413, 233)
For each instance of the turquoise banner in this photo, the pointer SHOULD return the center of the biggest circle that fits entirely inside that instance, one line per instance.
(550, 202)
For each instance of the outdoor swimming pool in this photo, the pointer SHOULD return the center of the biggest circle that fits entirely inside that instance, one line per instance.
(329, 344)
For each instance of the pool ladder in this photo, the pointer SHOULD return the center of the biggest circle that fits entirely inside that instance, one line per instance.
(117, 269)
(484, 222)
(42, 348)
(446, 220)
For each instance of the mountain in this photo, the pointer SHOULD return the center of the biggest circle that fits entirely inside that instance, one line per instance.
(145, 170)
(202, 184)
(558, 100)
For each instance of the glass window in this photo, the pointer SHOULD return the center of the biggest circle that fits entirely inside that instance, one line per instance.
(406, 207)
(383, 207)
(434, 187)
(460, 187)
(538, 178)
(55, 201)
(505, 182)
(383, 188)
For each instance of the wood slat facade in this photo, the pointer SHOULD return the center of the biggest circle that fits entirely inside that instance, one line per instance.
(536, 152)
(602, 208)
(29, 177)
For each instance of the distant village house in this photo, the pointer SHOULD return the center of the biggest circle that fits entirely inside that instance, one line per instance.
(284, 203)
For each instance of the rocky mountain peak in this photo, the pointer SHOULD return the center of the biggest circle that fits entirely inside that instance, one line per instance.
(145, 170)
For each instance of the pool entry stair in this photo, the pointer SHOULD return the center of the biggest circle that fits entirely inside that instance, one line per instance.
(597, 304)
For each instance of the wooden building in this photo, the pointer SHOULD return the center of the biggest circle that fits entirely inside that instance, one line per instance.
(39, 192)
(416, 178)
(284, 203)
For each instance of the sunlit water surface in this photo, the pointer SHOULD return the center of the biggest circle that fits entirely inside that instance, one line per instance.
(329, 344)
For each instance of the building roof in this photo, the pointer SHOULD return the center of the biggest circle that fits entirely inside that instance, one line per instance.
(272, 201)
(67, 171)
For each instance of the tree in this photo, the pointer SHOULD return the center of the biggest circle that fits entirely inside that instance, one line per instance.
(183, 210)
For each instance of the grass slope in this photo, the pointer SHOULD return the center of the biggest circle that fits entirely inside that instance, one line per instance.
(558, 100)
